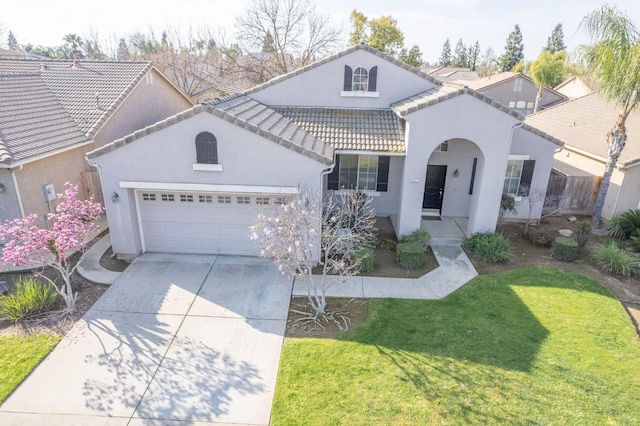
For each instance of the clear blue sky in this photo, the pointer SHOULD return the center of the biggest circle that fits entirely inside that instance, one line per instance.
(424, 22)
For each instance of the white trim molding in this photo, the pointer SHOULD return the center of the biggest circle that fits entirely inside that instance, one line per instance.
(200, 187)
(359, 94)
(207, 167)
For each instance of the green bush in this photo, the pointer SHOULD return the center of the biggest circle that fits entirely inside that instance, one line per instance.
(364, 258)
(539, 238)
(29, 298)
(582, 234)
(489, 247)
(419, 236)
(614, 260)
(410, 255)
(623, 225)
(634, 241)
(565, 248)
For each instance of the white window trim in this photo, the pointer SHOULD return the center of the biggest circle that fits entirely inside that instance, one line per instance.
(359, 94)
(521, 157)
(201, 167)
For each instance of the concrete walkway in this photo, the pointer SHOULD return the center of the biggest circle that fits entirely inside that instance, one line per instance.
(177, 339)
(455, 270)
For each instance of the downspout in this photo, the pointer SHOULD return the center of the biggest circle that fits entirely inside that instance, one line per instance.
(17, 189)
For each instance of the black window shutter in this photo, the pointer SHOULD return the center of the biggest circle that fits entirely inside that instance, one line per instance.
(473, 175)
(348, 78)
(373, 77)
(334, 177)
(382, 183)
(525, 177)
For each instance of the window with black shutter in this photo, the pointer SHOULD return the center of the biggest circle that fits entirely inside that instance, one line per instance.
(206, 148)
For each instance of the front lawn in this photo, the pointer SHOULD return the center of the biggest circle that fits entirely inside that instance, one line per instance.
(528, 346)
(18, 356)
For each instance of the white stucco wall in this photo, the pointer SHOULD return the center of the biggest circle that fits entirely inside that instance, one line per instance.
(322, 85)
(542, 151)
(168, 155)
(462, 117)
(630, 194)
(9, 207)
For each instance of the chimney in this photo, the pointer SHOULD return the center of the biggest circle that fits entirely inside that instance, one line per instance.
(74, 51)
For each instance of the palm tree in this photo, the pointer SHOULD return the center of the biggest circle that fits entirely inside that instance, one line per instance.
(613, 60)
(547, 71)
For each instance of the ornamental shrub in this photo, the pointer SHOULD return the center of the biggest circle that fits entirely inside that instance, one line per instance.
(364, 258)
(29, 298)
(420, 236)
(614, 260)
(539, 238)
(623, 225)
(410, 255)
(565, 248)
(489, 247)
(582, 234)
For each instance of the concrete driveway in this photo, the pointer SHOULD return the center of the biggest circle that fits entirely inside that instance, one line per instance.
(176, 338)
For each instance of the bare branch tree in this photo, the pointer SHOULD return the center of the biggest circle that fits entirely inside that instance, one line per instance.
(283, 32)
(306, 232)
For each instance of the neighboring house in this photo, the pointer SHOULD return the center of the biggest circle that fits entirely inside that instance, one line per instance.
(52, 112)
(443, 74)
(582, 124)
(515, 90)
(358, 119)
(575, 87)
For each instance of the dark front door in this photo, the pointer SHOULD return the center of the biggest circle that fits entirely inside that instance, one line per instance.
(434, 187)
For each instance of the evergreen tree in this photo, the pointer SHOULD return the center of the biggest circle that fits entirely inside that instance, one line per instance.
(460, 57)
(12, 43)
(474, 56)
(445, 56)
(513, 51)
(555, 42)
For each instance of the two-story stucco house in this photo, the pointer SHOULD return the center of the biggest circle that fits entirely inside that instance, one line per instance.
(52, 112)
(358, 119)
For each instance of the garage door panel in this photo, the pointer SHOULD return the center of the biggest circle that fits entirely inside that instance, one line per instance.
(199, 227)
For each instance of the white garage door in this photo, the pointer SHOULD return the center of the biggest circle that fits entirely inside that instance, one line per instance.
(189, 222)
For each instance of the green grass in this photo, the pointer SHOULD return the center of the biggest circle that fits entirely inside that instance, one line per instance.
(18, 356)
(529, 346)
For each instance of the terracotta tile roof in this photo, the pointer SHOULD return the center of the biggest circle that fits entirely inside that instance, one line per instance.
(32, 119)
(583, 124)
(81, 88)
(249, 114)
(351, 129)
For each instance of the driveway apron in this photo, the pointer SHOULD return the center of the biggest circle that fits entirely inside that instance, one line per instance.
(176, 338)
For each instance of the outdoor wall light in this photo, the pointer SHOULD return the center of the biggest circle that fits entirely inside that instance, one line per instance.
(115, 197)
(456, 173)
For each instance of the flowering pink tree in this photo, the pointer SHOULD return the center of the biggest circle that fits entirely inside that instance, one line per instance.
(308, 231)
(71, 228)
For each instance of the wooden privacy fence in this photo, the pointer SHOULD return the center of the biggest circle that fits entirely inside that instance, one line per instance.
(572, 194)
(90, 182)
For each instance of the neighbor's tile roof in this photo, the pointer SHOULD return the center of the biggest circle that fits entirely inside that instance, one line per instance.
(32, 119)
(249, 114)
(351, 129)
(491, 80)
(82, 87)
(583, 124)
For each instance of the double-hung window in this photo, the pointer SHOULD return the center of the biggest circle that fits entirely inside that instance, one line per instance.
(363, 172)
(517, 180)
